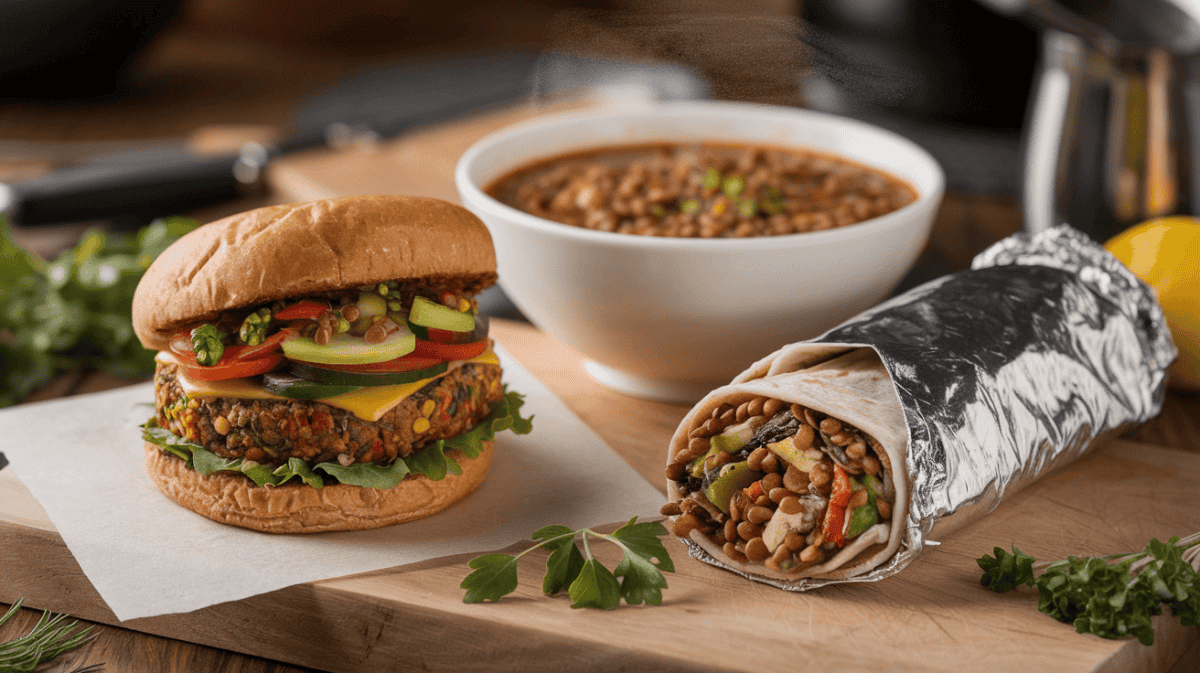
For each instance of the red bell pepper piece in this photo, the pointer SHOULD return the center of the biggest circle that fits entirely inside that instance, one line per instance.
(304, 310)
(443, 352)
(835, 514)
(272, 344)
(843, 488)
(753, 490)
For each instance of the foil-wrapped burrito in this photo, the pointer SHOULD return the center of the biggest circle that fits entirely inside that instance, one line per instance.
(841, 458)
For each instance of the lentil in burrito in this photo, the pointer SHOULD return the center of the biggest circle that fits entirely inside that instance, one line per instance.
(841, 458)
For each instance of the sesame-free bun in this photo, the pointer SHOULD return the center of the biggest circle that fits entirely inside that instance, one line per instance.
(277, 252)
(298, 508)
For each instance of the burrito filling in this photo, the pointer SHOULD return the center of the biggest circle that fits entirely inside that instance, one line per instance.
(780, 485)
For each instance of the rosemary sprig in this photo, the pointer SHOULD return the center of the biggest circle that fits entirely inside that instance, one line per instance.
(49, 638)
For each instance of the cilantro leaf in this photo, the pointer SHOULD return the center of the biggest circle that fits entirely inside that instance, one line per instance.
(642, 539)
(565, 561)
(641, 579)
(1006, 571)
(641, 582)
(595, 587)
(1113, 596)
(586, 580)
(495, 576)
(74, 312)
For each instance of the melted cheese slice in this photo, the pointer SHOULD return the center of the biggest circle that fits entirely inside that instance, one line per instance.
(369, 403)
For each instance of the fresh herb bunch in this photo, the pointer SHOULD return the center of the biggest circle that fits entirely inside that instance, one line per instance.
(1109, 596)
(74, 312)
(586, 580)
(48, 639)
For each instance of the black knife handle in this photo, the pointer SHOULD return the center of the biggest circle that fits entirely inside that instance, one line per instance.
(156, 187)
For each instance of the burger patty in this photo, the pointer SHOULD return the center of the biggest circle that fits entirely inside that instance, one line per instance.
(272, 431)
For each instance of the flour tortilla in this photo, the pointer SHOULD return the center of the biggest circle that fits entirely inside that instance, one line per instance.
(850, 384)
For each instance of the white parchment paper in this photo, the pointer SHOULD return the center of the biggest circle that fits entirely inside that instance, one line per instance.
(82, 459)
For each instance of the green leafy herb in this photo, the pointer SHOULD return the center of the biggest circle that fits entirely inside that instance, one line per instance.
(1110, 596)
(1006, 571)
(637, 578)
(746, 208)
(712, 179)
(49, 638)
(431, 461)
(73, 312)
(734, 186)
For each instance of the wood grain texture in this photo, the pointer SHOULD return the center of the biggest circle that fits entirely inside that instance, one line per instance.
(932, 617)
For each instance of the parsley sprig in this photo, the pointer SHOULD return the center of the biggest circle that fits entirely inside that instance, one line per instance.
(1110, 596)
(73, 312)
(637, 578)
(49, 638)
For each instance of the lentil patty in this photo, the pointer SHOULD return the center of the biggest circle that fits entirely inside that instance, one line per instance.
(272, 431)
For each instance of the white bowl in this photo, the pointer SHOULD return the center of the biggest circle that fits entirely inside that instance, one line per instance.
(672, 318)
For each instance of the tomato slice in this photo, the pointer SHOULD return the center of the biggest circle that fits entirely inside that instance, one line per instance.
(303, 310)
(271, 345)
(429, 349)
(442, 336)
(407, 363)
(235, 369)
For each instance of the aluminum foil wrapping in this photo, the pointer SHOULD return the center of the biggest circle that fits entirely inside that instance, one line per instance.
(1005, 372)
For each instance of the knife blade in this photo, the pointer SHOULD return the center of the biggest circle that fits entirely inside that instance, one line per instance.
(377, 105)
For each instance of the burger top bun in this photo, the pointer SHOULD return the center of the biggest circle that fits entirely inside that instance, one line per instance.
(282, 251)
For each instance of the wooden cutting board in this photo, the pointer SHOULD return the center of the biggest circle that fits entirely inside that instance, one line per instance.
(934, 616)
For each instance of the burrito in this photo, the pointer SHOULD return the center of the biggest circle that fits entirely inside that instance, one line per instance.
(842, 458)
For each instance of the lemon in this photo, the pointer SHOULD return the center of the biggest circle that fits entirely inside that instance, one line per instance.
(1165, 252)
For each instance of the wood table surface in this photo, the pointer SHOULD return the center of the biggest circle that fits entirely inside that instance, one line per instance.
(932, 617)
(636, 429)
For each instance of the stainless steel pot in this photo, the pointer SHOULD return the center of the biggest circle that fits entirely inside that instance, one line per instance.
(1113, 132)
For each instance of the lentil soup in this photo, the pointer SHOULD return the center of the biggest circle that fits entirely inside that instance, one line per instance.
(704, 190)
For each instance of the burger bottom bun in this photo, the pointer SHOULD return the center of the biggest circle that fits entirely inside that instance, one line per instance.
(298, 508)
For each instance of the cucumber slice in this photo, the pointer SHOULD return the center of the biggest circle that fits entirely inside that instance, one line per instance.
(447, 337)
(426, 313)
(345, 349)
(339, 377)
(297, 388)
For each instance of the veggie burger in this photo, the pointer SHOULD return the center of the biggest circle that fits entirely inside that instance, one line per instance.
(322, 365)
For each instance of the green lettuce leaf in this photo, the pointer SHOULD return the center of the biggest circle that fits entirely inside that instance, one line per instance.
(298, 468)
(206, 462)
(370, 475)
(169, 441)
(431, 461)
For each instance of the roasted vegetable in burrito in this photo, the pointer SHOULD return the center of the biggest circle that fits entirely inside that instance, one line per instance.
(795, 472)
(843, 457)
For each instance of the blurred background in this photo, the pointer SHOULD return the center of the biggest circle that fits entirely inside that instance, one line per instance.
(116, 112)
(114, 82)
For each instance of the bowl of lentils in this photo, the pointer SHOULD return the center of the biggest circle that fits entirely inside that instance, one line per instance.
(673, 245)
